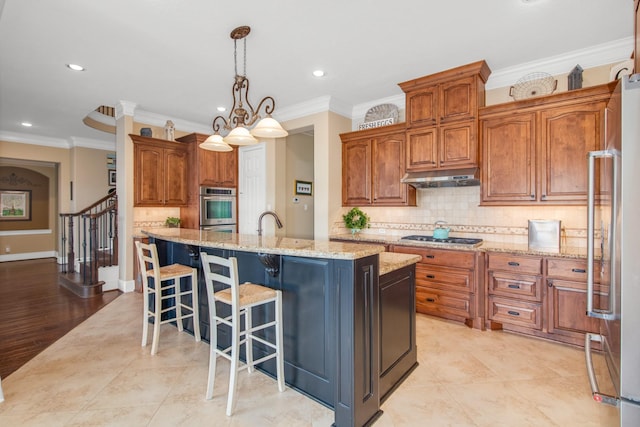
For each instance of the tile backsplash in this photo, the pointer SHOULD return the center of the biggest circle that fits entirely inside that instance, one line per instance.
(459, 207)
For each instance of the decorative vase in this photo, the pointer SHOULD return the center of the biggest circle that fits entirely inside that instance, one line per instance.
(354, 231)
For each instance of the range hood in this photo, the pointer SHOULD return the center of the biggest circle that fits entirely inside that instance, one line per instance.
(443, 178)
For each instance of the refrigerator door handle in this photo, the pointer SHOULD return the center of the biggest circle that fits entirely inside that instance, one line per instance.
(595, 390)
(591, 312)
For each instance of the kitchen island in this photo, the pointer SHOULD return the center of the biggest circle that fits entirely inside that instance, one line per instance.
(333, 302)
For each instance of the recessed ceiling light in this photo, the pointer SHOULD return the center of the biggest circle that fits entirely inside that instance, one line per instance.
(75, 67)
(222, 109)
(319, 73)
(26, 124)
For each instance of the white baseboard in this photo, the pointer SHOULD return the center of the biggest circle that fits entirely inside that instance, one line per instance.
(28, 255)
(127, 285)
(109, 275)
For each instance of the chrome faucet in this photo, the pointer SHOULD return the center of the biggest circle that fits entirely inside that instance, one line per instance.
(262, 215)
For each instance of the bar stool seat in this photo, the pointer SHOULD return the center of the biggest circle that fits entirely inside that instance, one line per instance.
(241, 299)
(164, 283)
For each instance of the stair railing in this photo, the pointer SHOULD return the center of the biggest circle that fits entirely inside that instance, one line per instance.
(89, 239)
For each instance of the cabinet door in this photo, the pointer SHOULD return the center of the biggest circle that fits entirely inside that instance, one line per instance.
(228, 169)
(387, 187)
(568, 134)
(422, 107)
(458, 100)
(356, 173)
(568, 305)
(149, 176)
(176, 190)
(207, 167)
(458, 145)
(422, 149)
(508, 159)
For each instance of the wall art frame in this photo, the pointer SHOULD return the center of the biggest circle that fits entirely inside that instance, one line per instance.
(304, 188)
(15, 205)
(112, 177)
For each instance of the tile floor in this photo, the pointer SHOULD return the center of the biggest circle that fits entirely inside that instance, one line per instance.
(98, 375)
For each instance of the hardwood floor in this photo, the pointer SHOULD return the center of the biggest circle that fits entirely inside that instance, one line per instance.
(35, 310)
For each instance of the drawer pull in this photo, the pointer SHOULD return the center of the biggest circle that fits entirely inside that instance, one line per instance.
(513, 313)
(514, 264)
(578, 270)
(430, 276)
(431, 300)
(514, 286)
(430, 256)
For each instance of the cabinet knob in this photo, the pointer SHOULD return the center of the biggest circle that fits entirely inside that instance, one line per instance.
(430, 300)
(430, 256)
(430, 276)
(533, 196)
(550, 283)
(543, 197)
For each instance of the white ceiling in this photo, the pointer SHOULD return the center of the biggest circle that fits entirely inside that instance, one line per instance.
(175, 58)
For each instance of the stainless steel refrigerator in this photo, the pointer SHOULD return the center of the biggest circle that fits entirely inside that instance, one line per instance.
(613, 250)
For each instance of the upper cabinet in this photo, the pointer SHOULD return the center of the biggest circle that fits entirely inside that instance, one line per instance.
(534, 151)
(214, 168)
(160, 172)
(372, 166)
(442, 118)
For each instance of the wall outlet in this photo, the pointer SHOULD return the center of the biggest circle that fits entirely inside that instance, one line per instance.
(7, 249)
(382, 231)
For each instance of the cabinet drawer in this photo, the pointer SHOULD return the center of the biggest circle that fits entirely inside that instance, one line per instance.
(515, 285)
(441, 257)
(515, 263)
(442, 303)
(444, 278)
(522, 313)
(575, 269)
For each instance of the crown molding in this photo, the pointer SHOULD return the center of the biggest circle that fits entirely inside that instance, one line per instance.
(28, 138)
(96, 144)
(125, 108)
(155, 119)
(594, 56)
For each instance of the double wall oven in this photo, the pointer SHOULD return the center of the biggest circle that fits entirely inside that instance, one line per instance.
(218, 209)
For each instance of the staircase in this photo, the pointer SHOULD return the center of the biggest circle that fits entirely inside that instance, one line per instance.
(89, 240)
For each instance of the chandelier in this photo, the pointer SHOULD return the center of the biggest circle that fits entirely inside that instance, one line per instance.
(242, 114)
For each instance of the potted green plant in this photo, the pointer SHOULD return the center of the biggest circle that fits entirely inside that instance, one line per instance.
(356, 220)
(172, 222)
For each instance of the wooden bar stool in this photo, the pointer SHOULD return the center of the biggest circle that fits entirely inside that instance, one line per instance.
(164, 284)
(241, 299)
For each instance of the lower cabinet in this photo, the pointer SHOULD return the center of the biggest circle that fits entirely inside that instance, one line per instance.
(398, 353)
(447, 284)
(541, 296)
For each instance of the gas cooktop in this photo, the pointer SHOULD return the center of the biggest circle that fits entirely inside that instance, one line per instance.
(450, 240)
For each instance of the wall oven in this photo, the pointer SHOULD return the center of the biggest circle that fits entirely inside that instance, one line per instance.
(217, 206)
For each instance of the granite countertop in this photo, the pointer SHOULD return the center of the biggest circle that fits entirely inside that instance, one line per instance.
(265, 244)
(390, 261)
(486, 246)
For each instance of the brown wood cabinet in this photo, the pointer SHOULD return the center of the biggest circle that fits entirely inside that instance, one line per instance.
(214, 168)
(514, 289)
(567, 300)
(208, 168)
(372, 166)
(534, 151)
(541, 296)
(447, 284)
(442, 114)
(160, 172)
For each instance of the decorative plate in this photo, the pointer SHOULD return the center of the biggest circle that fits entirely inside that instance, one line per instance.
(382, 111)
(532, 85)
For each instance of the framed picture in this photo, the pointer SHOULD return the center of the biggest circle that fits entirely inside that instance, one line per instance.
(112, 177)
(303, 188)
(15, 205)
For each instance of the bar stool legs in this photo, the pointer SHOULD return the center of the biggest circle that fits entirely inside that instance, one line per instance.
(163, 283)
(241, 299)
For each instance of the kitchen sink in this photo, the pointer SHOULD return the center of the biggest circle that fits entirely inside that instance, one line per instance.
(449, 240)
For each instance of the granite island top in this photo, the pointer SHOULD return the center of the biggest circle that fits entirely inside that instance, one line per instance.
(265, 244)
(486, 246)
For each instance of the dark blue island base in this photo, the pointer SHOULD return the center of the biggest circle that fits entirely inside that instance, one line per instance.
(349, 335)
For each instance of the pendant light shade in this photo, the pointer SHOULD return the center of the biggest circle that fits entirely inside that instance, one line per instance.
(240, 135)
(215, 143)
(269, 128)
